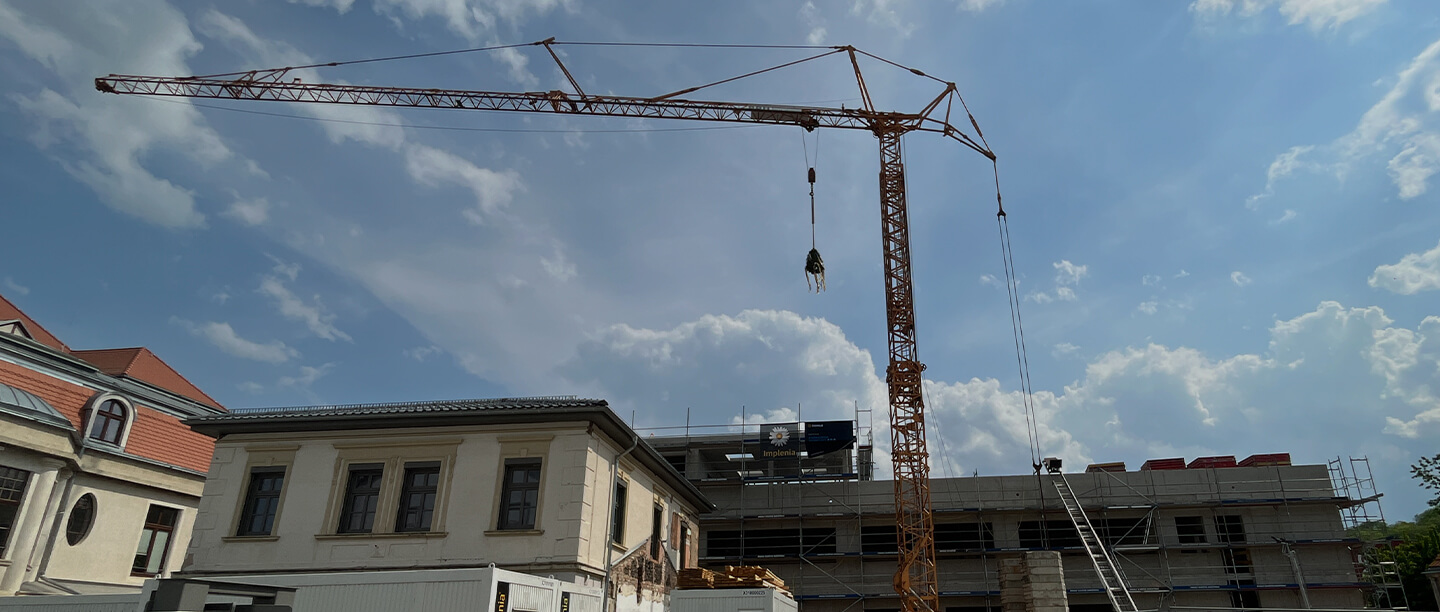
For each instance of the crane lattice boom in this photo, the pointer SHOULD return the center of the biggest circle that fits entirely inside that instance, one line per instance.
(915, 578)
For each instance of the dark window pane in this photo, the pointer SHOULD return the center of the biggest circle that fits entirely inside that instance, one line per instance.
(521, 494)
(362, 497)
(82, 517)
(1050, 534)
(417, 500)
(108, 420)
(12, 490)
(154, 546)
(262, 501)
(1190, 529)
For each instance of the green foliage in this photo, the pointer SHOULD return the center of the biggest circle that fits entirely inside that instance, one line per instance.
(1427, 470)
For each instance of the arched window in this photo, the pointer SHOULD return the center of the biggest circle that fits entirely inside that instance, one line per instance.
(107, 422)
(82, 517)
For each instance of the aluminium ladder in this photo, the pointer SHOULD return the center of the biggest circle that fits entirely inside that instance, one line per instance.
(1110, 578)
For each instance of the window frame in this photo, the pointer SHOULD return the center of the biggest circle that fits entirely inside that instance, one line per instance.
(247, 508)
(619, 509)
(152, 529)
(507, 487)
(93, 416)
(407, 489)
(349, 495)
(13, 500)
(1192, 531)
(657, 525)
(70, 537)
(394, 454)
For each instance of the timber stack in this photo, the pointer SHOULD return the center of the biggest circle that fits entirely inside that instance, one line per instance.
(732, 577)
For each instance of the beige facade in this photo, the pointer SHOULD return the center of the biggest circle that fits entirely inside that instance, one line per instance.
(333, 458)
(99, 481)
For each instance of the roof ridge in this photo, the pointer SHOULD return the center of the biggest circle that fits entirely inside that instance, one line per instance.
(25, 317)
(572, 399)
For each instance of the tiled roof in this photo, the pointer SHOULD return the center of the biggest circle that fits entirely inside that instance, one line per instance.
(141, 364)
(399, 408)
(154, 435)
(8, 311)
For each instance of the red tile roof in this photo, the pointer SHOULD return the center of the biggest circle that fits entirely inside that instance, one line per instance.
(154, 435)
(141, 364)
(8, 312)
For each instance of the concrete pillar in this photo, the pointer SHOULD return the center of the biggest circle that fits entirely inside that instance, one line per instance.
(55, 512)
(32, 518)
(1033, 582)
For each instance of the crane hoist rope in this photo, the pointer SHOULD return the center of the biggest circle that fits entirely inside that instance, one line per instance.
(814, 266)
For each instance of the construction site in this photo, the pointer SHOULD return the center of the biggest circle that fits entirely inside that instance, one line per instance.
(1213, 533)
(554, 499)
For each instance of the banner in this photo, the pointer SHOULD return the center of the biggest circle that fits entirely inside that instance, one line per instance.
(823, 437)
(502, 596)
(779, 441)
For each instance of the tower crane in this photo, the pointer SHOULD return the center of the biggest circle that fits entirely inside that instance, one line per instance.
(915, 577)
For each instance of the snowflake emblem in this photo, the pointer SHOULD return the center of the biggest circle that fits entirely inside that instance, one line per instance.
(779, 436)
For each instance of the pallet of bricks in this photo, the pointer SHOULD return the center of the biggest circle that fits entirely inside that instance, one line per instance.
(732, 577)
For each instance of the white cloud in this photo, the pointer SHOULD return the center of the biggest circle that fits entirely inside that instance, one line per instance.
(314, 316)
(250, 386)
(1149, 307)
(1404, 125)
(1239, 278)
(988, 279)
(224, 337)
(1064, 349)
(1182, 274)
(884, 13)
(250, 212)
(104, 140)
(1040, 297)
(340, 6)
(558, 267)
(421, 353)
(1067, 273)
(1414, 273)
(816, 24)
(1289, 216)
(15, 287)
(976, 6)
(1150, 280)
(307, 376)
(1317, 14)
(493, 189)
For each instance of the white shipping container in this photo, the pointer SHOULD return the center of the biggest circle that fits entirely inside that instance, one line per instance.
(730, 600)
(457, 590)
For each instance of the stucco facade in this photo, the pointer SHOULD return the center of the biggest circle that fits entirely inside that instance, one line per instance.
(569, 451)
(81, 495)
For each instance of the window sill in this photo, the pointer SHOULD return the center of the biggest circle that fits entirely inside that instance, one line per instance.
(381, 536)
(515, 532)
(254, 538)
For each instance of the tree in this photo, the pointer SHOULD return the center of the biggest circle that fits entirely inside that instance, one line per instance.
(1427, 470)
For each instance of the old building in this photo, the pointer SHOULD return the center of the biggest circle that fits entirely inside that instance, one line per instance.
(99, 480)
(552, 486)
(1197, 536)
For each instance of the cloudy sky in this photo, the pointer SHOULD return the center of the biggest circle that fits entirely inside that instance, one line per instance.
(1223, 216)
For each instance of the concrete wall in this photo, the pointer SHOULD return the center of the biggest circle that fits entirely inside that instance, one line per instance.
(568, 540)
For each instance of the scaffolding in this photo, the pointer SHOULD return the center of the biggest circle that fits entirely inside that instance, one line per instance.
(1218, 537)
(1373, 558)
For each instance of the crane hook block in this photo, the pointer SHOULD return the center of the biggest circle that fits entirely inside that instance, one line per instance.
(812, 176)
(815, 268)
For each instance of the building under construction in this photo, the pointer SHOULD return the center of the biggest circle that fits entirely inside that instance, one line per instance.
(1211, 533)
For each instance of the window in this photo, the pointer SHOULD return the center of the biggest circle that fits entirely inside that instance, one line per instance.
(107, 421)
(1124, 531)
(1050, 534)
(520, 496)
(771, 542)
(656, 518)
(1229, 529)
(617, 514)
(262, 501)
(1190, 529)
(878, 539)
(1242, 597)
(82, 517)
(417, 499)
(684, 545)
(154, 545)
(958, 537)
(362, 498)
(677, 462)
(1236, 560)
(12, 490)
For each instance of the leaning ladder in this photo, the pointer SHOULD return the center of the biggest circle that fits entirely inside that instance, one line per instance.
(1110, 578)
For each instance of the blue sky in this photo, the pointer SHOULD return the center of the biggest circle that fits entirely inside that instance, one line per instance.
(1223, 215)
